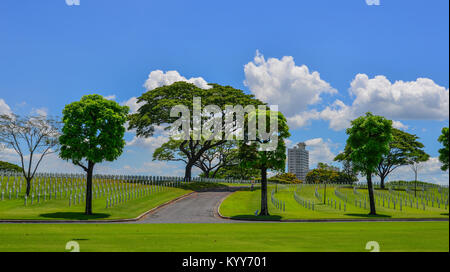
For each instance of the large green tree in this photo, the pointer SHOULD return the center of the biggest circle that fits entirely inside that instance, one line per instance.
(443, 152)
(404, 149)
(93, 132)
(156, 106)
(253, 155)
(368, 138)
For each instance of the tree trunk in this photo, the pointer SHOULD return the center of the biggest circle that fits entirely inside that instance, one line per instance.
(90, 170)
(28, 186)
(415, 183)
(188, 171)
(382, 181)
(371, 197)
(325, 194)
(264, 208)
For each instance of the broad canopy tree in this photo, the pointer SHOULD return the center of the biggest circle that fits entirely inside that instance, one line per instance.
(93, 132)
(368, 139)
(32, 138)
(156, 106)
(404, 149)
(253, 155)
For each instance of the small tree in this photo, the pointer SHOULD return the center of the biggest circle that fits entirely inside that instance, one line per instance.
(369, 138)
(253, 156)
(31, 138)
(93, 132)
(415, 164)
(443, 152)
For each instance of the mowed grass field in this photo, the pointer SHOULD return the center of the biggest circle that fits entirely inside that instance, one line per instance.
(59, 209)
(244, 204)
(242, 237)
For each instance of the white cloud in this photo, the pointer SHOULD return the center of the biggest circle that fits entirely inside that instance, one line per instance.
(158, 78)
(132, 104)
(399, 125)
(4, 108)
(303, 119)
(429, 171)
(338, 114)
(41, 112)
(281, 82)
(110, 97)
(320, 151)
(421, 99)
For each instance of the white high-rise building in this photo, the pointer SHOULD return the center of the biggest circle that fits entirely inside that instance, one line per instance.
(298, 161)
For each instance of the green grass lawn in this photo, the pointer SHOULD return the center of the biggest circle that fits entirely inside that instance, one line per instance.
(243, 204)
(247, 237)
(58, 209)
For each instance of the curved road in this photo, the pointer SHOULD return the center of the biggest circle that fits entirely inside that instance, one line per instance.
(199, 207)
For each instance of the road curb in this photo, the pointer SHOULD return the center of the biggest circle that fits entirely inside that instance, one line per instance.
(96, 221)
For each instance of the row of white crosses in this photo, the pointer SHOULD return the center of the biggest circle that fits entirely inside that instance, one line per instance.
(72, 187)
(308, 204)
(330, 202)
(279, 204)
(10, 186)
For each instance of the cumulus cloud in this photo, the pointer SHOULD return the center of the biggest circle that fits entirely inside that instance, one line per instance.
(281, 82)
(41, 112)
(132, 104)
(158, 78)
(429, 171)
(303, 119)
(110, 97)
(421, 99)
(4, 108)
(320, 151)
(399, 125)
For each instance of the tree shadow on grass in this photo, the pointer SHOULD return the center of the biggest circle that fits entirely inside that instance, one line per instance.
(444, 214)
(368, 215)
(74, 215)
(257, 218)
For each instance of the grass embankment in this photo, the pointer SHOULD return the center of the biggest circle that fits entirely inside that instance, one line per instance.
(244, 204)
(246, 237)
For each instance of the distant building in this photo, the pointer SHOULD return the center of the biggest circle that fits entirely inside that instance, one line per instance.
(298, 161)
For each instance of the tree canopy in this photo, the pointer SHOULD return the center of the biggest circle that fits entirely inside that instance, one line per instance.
(444, 152)
(93, 132)
(368, 139)
(404, 149)
(157, 104)
(254, 155)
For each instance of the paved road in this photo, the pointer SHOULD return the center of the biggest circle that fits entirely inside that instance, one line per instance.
(199, 207)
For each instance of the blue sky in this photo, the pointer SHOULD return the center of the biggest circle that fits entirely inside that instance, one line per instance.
(51, 54)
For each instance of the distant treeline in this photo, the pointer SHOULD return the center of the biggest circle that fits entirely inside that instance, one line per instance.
(409, 183)
(6, 166)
